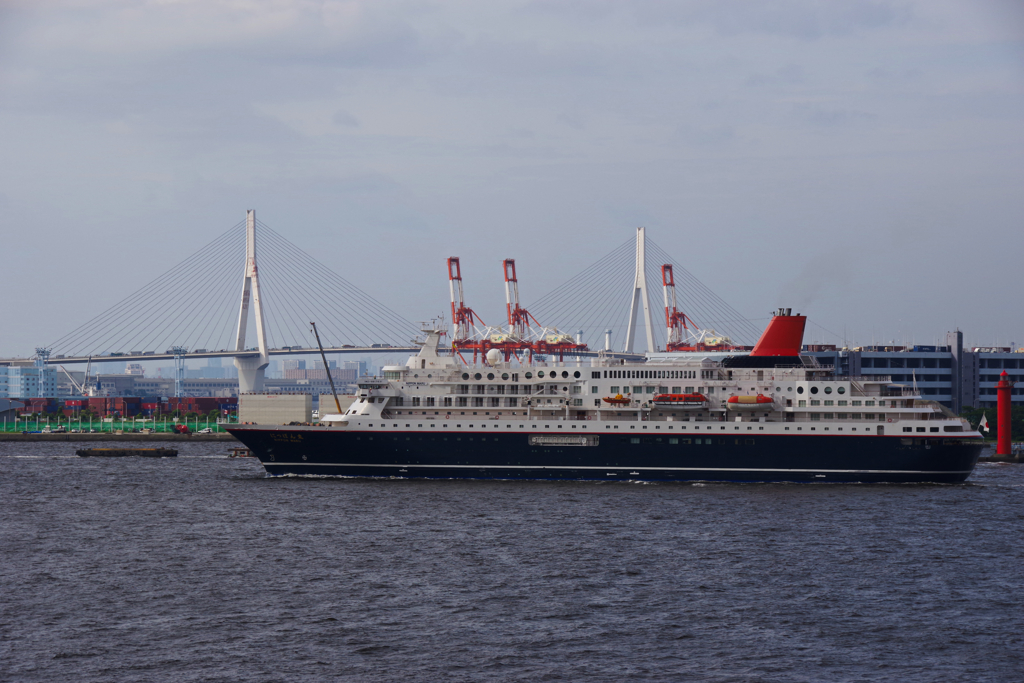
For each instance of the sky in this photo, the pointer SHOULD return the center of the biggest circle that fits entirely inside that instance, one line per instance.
(861, 161)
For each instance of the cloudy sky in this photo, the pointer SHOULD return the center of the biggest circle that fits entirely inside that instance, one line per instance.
(861, 161)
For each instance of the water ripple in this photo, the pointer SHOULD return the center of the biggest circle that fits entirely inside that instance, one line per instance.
(200, 568)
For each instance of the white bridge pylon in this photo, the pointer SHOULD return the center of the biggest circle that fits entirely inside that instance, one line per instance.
(252, 370)
(640, 297)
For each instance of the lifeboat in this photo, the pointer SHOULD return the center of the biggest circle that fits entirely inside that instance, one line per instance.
(680, 400)
(758, 402)
(616, 400)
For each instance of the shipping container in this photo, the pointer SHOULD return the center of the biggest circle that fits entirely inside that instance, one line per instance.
(327, 405)
(275, 408)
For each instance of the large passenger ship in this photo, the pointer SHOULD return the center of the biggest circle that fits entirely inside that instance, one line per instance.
(770, 416)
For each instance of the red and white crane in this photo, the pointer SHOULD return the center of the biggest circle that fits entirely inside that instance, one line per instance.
(519, 338)
(676, 330)
(463, 318)
(523, 337)
(518, 318)
(680, 336)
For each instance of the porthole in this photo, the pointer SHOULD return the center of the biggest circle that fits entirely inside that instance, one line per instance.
(504, 375)
(415, 375)
(778, 388)
(828, 390)
(529, 375)
(814, 390)
(789, 388)
(490, 375)
(841, 390)
(565, 374)
(576, 374)
(429, 376)
(477, 376)
(540, 374)
(465, 375)
(799, 390)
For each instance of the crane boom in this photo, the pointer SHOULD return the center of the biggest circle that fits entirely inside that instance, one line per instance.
(79, 387)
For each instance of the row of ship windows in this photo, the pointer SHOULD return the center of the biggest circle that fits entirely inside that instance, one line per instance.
(511, 389)
(510, 402)
(657, 440)
(879, 430)
(459, 402)
(814, 390)
(652, 374)
(598, 374)
(867, 416)
(541, 374)
(514, 389)
(846, 416)
(855, 403)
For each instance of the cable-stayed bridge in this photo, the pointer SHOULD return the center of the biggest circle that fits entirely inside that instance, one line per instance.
(193, 310)
(620, 301)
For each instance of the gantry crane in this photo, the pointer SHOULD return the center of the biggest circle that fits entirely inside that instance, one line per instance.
(680, 336)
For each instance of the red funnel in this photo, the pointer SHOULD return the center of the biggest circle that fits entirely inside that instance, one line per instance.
(783, 337)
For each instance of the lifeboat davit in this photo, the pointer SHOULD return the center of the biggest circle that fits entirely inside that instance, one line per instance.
(758, 402)
(680, 400)
(616, 400)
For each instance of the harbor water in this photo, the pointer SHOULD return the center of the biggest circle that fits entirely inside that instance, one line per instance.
(199, 568)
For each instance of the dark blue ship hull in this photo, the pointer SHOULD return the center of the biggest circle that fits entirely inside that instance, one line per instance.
(318, 451)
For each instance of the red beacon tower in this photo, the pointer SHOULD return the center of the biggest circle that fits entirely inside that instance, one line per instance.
(1004, 389)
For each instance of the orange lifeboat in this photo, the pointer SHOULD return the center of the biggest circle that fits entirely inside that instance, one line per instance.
(758, 402)
(680, 400)
(617, 400)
